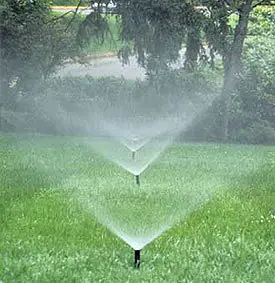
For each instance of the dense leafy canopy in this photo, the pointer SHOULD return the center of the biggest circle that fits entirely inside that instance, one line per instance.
(33, 43)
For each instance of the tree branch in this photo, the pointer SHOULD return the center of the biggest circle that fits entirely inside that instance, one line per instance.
(75, 12)
(262, 2)
(58, 18)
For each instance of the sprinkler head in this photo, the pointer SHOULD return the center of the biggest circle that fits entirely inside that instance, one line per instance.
(137, 258)
(137, 180)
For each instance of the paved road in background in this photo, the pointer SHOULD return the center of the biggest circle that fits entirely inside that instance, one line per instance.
(81, 10)
(103, 67)
(109, 66)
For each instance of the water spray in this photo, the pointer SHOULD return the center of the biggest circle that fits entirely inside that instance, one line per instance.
(137, 180)
(137, 258)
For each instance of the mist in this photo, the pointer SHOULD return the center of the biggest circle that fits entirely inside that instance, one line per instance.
(135, 116)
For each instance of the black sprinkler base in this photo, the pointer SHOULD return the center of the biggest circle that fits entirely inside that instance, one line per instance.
(137, 258)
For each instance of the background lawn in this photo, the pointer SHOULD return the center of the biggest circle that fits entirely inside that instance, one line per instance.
(48, 236)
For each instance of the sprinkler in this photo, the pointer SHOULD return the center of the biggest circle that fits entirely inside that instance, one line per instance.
(137, 258)
(137, 180)
(133, 155)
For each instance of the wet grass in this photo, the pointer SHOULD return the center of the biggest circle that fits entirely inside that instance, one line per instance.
(46, 237)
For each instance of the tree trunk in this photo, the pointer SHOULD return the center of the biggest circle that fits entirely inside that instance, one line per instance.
(232, 66)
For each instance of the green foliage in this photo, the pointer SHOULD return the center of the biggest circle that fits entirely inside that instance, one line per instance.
(69, 92)
(251, 118)
(262, 19)
(25, 59)
(33, 44)
(38, 114)
(94, 27)
(94, 41)
(217, 28)
(20, 22)
(255, 103)
(156, 30)
(111, 43)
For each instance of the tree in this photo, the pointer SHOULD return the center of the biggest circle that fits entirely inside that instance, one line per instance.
(253, 118)
(158, 29)
(229, 47)
(33, 44)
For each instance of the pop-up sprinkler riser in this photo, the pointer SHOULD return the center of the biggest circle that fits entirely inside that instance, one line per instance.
(137, 180)
(137, 258)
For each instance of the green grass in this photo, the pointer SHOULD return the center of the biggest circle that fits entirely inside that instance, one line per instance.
(48, 236)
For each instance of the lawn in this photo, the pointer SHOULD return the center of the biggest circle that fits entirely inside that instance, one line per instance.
(55, 191)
